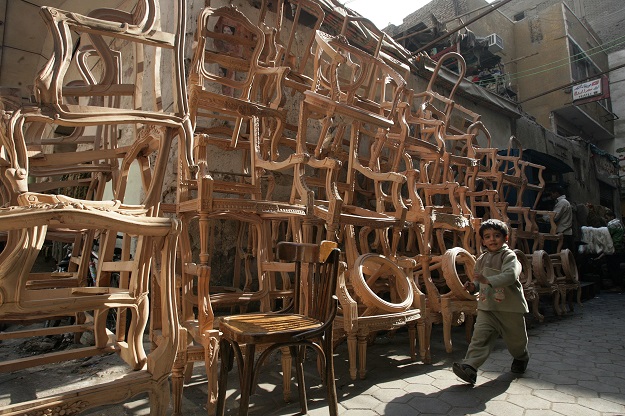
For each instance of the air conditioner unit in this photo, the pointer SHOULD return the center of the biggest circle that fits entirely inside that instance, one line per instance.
(495, 43)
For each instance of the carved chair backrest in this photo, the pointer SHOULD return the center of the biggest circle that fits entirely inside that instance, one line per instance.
(295, 23)
(114, 91)
(236, 103)
(510, 164)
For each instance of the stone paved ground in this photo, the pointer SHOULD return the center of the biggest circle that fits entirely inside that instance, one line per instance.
(577, 368)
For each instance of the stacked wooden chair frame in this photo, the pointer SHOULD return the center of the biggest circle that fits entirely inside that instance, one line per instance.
(285, 133)
(76, 138)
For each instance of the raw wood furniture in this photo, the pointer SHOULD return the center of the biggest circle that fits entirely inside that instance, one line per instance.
(544, 278)
(81, 119)
(529, 288)
(378, 295)
(294, 38)
(566, 278)
(36, 297)
(238, 120)
(308, 325)
(343, 102)
(447, 300)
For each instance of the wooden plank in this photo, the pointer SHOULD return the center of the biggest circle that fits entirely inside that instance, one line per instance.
(53, 357)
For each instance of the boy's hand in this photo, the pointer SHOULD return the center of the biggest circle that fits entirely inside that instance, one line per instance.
(469, 286)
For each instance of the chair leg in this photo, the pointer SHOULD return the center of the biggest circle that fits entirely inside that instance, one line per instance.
(447, 316)
(211, 361)
(428, 335)
(412, 339)
(329, 374)
(351, 350)
(159, 398)
(362, 355)
(556, 303)
(287, 359)
(421, 338)
(177, 381)
(535, 309)
(579, 295)
(246, 379)
(298, 353)
(226, 350)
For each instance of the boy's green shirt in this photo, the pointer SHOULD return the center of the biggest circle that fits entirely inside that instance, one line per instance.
(505, 292)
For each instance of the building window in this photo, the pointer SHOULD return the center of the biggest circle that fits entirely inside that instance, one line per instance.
(577, 166)
(519, 16)
(581, 65)
(606, 195)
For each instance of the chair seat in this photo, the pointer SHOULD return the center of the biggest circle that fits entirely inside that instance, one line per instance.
(275, 327)
(329, 106)
(351, 214)
(221, 206)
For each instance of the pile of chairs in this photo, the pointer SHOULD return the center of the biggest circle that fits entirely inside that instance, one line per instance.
(285, 133)
(96, 124)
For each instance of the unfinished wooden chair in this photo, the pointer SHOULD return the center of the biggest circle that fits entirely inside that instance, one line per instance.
(56, 95)
(233, 112)
(566, 278)
(522, 218)
(377, 295)
(550, 234)
(447, 300)
(309, 324)
(431, 221)
(87, 112)
(529, 287)
(87, 116)
(355, 100)
(34, 297)
(543, 274)
(349, 119)
(148, 245)
(432, 105)
(416, 142)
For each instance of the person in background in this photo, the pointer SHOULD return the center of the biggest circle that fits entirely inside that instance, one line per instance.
(501, 305)
(564, 216)
(613, 261)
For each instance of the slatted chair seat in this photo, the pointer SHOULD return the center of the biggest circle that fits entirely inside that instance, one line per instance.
(262, 327)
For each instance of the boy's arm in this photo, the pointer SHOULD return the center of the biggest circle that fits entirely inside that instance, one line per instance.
(477, 275)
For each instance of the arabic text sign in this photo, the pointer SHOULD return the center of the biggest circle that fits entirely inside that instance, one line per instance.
(587, 89)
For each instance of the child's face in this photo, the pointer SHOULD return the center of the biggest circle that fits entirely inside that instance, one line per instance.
(493, 240)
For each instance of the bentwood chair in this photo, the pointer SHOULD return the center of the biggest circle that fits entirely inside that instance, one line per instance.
(308, 324)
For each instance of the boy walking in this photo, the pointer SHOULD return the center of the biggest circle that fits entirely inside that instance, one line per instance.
(501, 304)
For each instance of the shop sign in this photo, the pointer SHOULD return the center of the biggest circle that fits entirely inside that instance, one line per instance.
(587, 89)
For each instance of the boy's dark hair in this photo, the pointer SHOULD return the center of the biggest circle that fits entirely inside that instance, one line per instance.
(493, 224)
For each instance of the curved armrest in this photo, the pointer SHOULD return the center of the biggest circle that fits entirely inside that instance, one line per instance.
(380, 176)
(348, 305)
